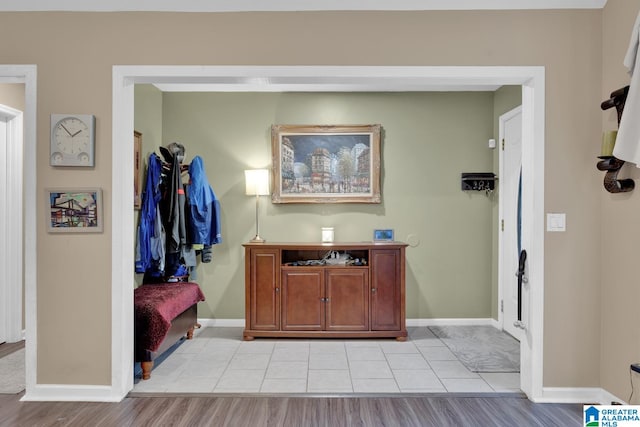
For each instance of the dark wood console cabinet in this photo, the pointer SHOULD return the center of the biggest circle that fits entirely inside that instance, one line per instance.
(288, 293)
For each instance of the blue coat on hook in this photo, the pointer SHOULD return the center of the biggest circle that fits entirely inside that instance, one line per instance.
(204, 207)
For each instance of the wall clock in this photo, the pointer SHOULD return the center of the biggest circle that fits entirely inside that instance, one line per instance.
(72, 140)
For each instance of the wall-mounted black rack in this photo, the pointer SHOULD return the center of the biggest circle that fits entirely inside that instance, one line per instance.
(478, 181)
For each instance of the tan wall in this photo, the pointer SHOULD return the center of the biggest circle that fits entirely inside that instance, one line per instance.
(74, 309)
(620, 228)
(12, 95)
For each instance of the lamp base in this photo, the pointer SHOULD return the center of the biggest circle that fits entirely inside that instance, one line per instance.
(257, 239)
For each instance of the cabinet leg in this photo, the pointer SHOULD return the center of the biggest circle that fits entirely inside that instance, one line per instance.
(401, 338)
(248, 338)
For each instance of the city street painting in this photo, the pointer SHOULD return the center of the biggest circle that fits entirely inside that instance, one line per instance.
(74, 210)
(326, 164)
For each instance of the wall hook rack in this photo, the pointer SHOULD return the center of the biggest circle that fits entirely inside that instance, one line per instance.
(612, 184)
(478, 181)
(610, 164)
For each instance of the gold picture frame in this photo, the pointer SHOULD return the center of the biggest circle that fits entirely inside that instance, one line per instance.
(326, 163)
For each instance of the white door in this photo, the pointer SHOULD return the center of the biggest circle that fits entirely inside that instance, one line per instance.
(11, 148)
(510, 135)
(3, 198)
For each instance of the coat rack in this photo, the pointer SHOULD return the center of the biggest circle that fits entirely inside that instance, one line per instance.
(610, 164)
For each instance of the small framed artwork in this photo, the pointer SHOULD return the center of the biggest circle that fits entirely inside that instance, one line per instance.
(77, 210)
(384, 235)
(326, 163)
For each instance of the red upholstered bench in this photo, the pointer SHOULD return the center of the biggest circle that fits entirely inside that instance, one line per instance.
(164, 313)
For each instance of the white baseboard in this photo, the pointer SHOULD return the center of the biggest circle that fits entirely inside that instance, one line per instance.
(71, 393)
(452, 322)
(410, 322)
(584, 395)
(222, 323)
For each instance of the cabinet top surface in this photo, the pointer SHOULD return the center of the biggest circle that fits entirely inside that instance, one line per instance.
(311, 245)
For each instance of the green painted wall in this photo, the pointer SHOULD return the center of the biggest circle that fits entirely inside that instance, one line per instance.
(428, 140)
(148, 117)
(148, 121)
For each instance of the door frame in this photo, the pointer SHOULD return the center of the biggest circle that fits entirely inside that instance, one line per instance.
(11, 224)
(501, 233)
(22, 188)
(327, 78)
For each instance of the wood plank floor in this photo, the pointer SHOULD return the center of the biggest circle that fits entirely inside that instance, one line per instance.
(255, 411)
(8, 348)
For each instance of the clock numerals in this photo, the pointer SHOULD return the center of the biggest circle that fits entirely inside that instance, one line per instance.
(72, 140)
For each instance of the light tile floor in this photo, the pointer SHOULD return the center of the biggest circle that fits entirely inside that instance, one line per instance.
(218, 361)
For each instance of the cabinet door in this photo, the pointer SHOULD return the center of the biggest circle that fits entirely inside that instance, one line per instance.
(347, 300)
(302, 299)
(264, 290)
(386, 292)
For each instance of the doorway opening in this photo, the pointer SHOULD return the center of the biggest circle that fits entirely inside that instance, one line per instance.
(11, 143)
(510, 160)
(347, 79)
(19, 219)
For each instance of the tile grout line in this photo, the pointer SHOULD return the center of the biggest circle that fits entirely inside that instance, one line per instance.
(207, 347)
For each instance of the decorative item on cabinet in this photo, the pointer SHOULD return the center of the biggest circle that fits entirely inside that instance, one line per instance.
(608, 162)
(327, 234)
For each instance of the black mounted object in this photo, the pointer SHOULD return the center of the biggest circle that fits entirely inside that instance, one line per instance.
(611, 164)
(478, 181)
(521, 269)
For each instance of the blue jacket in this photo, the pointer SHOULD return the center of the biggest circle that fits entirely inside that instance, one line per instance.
(203, 208)
(147, 227)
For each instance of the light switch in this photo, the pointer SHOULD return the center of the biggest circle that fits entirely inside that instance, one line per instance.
(556, 222)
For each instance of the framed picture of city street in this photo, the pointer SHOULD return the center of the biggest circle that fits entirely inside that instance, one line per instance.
(326, 164)
(76, 210)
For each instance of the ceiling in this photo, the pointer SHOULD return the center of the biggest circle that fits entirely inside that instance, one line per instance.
(289, 5)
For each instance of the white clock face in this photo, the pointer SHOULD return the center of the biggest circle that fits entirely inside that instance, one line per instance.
(72, 140)
(72, 136)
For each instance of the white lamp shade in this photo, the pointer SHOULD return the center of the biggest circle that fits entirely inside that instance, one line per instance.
(256, 182)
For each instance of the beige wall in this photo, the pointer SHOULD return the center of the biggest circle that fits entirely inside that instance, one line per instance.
(12, 95)
(620, 227)
(74, 309)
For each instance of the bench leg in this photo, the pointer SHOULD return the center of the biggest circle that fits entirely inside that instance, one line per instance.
(190, 333)
(146, 369)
